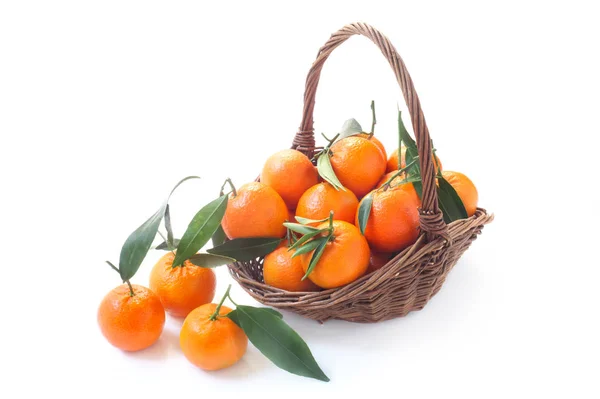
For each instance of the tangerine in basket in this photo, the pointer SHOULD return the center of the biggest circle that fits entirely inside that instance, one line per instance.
(319, 200)
(392, 163)
(465, 189)
(290, 173)
(393, 222)
(283, 271)
(357, 163)
(377, 260)
(375, 141)
(344, 259)
(291, 216)
(131, 322)
(212, 344)
(255, 210)
(183, 288)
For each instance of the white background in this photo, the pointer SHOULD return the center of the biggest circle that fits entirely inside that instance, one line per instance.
(105, 105)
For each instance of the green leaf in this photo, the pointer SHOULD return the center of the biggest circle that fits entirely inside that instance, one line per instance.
(219, 236)
(138, 243)
(316, 256)
(169, 228)
(418, 188)
(326, 171)
(410, 155)
(273, 312)
(364, 210)
(408, 141)
(305, 238)
(200, 229)
(246, 249)
(277, 341)
(302, 220)
(449, 201)
(300, 228)
(233, 315)
(349, 128)
(164, 246)
(309, 246)
(211, 260)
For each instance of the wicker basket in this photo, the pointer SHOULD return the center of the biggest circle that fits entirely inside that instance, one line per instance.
(413, 276)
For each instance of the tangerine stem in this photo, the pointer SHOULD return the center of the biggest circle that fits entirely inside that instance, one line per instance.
(374, 120)
(386, 185)
(228, 181)
(114, 267)
(216, 312)
(169, 246)
(131, 293)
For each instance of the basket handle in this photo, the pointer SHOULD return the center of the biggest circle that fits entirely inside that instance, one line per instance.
(431, 218)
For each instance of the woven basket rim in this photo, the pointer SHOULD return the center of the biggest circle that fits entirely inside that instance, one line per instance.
(481, 216)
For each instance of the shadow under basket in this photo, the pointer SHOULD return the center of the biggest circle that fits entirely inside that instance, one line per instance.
(413, 276)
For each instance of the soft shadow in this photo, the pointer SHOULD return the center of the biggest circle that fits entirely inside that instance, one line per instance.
(168, 342)
(251, 363)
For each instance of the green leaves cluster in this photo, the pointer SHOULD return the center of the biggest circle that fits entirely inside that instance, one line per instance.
(138, 243)
(200, 229)
(274, 338)
(313, 239)
(206, 224)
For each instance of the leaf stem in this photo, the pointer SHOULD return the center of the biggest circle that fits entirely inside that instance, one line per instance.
(216, 313)
(374, 120)
(228, 181)
(131, 293)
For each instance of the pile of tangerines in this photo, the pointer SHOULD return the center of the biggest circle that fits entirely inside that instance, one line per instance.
(320, 222)
(325, 204)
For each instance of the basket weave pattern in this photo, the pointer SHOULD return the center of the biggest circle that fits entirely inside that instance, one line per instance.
(412, 277)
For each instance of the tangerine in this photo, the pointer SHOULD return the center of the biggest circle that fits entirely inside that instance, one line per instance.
(344, 259)
(131, 323)
(282, 270)
(212, 344)
(357, 163)
(183, 288)
(290, 173)
(377, 260)
(393, 223)
(256, 210)
(375, 141)
(320, 199)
